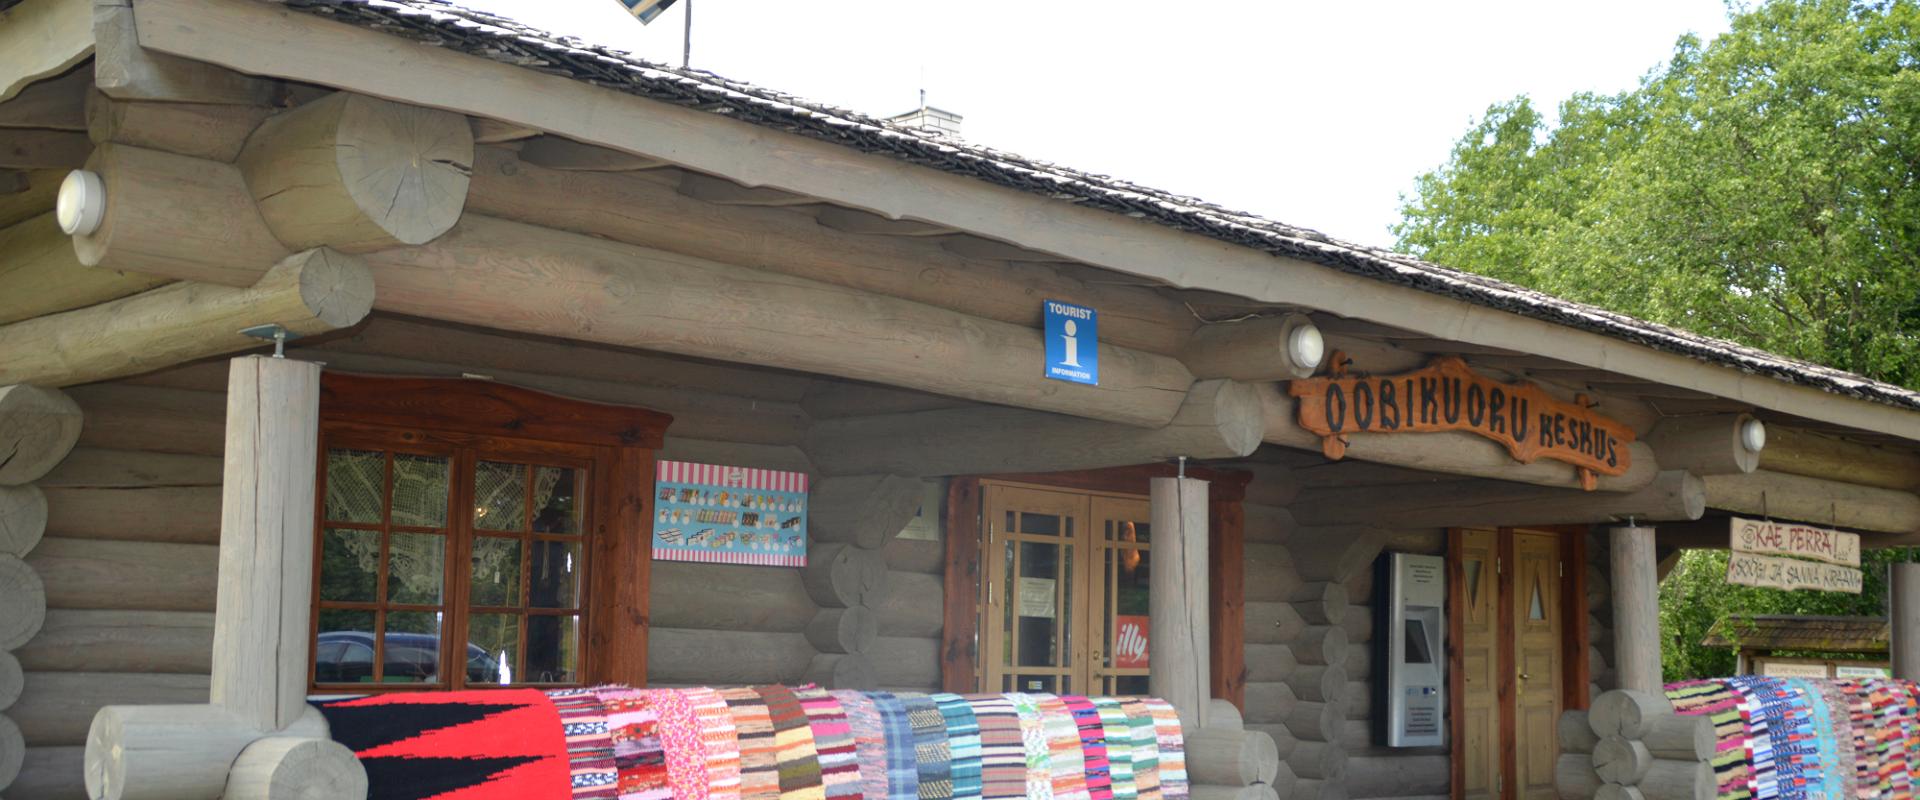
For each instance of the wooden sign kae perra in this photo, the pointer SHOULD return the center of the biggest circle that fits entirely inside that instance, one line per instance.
(1447, 395)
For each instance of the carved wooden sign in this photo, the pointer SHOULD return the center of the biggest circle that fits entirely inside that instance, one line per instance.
(1447, 395)
(1748, 569)
(1790, 539)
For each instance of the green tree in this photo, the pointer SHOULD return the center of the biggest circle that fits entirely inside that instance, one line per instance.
(1763, 188)
(1695, 595)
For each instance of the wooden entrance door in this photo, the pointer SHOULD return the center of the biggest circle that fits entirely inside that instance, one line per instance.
(1065, 591)
(1515, 618)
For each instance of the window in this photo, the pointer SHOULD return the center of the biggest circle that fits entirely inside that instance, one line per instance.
(471, 534)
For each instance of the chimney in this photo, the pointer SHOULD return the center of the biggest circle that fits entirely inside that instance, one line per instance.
(939, 122)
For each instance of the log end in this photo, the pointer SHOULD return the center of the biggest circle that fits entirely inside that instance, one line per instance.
(38, 427)
(337, 288)
(295, 768)
(23, 603)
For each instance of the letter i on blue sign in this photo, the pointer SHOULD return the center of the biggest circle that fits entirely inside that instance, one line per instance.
(1073, 342)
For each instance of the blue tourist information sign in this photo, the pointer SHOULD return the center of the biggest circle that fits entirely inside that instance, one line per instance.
(1073, 343)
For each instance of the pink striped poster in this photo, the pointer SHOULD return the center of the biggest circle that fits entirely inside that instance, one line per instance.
(729, 515)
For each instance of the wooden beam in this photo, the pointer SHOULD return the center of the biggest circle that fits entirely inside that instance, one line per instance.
(561, 153)
(976, 247)
(39, 273)
(40, 39)
(493, 131)
(1779, 495)
(308, 293)
(266, 40)
(54, 104)
(179, 217)
(1706, 445)
(126, 70)
(852, 221)
(512, 275)
(1673, 494)
(1218, 419)
(1801, 452)
(358, 174)
(35, 199)
(43, 149)
(213, 131)
(1452, 452)
(727, 193)
(1249, 350)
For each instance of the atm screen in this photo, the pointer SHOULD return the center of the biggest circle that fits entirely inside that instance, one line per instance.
(1418, 649)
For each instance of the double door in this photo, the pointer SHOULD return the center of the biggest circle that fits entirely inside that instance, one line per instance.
(1064, 597)
(1513, 636)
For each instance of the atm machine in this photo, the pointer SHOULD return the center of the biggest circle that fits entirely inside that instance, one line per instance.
(1412, 642)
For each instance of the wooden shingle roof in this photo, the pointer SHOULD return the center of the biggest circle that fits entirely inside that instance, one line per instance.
(1796, 632)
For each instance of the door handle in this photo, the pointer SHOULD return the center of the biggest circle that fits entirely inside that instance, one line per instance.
(1525, 677)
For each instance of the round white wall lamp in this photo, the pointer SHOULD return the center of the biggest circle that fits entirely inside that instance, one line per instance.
(1753, 435)
(1306, 347)
(81, 204)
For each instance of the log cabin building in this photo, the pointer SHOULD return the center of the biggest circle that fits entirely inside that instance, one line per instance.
(518, 274)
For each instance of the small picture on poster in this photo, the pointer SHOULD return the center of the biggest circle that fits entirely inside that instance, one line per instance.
(1130, 642)
(729, 515)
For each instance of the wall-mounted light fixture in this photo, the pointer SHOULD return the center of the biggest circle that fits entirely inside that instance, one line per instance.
(81, 204)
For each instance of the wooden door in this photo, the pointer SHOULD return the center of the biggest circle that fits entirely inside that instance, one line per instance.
(1036, 593)
(1513, 619)
(1123, 544)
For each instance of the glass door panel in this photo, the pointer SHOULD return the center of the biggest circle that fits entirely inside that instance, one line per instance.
(1125, 549)
(1035, 591)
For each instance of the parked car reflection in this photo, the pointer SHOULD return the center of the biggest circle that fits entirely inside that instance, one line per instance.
(347, 657)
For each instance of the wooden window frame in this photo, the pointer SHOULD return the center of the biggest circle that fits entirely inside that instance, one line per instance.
(612, 445)
(1226, 611)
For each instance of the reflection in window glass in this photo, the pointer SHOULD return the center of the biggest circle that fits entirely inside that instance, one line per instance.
(350, 565)
(555, 582)
(419, 490)
(416, 563)
(412, 647)
(554, 504)
(495, 578)
(344, 646)
(498, 635)
(500, 496)
(356, 485)
(552, 647)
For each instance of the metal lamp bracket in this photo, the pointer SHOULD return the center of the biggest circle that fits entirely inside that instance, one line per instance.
(274, 332)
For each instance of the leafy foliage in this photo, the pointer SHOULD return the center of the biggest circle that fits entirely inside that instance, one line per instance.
(1695, 595)
(1763, 188)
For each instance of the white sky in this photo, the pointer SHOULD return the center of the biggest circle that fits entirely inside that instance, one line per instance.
(1318, 114)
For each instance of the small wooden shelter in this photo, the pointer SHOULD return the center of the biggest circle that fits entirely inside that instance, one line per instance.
(1797, 645)
(520, 283)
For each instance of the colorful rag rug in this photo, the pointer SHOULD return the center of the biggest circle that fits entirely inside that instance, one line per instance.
(805, 743)
(1794, 739)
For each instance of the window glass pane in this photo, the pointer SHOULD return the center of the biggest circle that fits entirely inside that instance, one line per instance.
(419, 490)
(416, 563)
(496, 572)
(1040, 524)
(555, 582)
(498, 636)
(552, 648)
(1473, 582)
(412, 645)
(1131, 577)
(1136, 532)
(555, 509)
(356, 484)
(1037, 599)
(350, 566)
(500, 496)
(345, 645)
(1007, 603)
(1129, 685)
(1036, 683)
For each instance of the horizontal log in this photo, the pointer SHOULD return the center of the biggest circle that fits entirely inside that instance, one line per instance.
(714, 658)
(1795, 451)
(1283, 739)
(153, 419)
(89, 640)
(125, 68)
(57, 103)
(928, 557)
(865, 510)
(1673, 495)
(1359, 700)
(1710, 444)
(42, 149)
(1614, 791)
(41, 275)
(1323, 761)
(1450, 452)
(1398, 776)
(178, 514)
(1229, 757)
(176, 752)
(38, 427)
(1274, 485)
(1359, 621)
(310, 292)
(843, 671)
(23, 519)
(1321, 645)
(57, 707)
(1265, 523)
(727, 597)
(23, 602)
(843, 576)
(1621, 760)
(104, 574)
(42, 185)
(1626, 713)
(13, 751)
(908, 608)
(213, 131)
(1313, 721)
(1256, 349)
(1681, 737)
(1269, 662)
(1217, 419)
(1269, 573)
(1320, 684)
(1359, 663)
(1335, 553)
(1574, 778)
(1576, 734)
(13, 679)
(777, 240)
(53, 773)
(1269, 702)
(1272, 623)
(1322, 603)
(561, 153)
(107, 468)
(1816, 500)
(906, 663)
(1679, 780)
(178, 217)
(1223, 714)
(1258, 791)
(843, 630)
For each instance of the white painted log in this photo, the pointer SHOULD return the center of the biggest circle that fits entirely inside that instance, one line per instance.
(292, 768)
(1267, 523)
(1246, 350)
(1574, 778)
(23, 602)
(310, 292)
(213, 131)
(1636, 608)
(357, 174)
(1316, 722)
(1320, 684)
(1672, 495)
(38, 427)
(843, 671)
(1681, 737)
(1224, 715)
(1398, 776)
(1269, 702)
(179, 514)
(1323, 761)
(1335, 553)
(51, 772)
(1627, 712)
(1614, 791)
(1321, 603)
(1269, 663)
(178, 217)
(1904, 609)
(842, 575)
(687, 657)
(173, 752)
(12, 679)
(56, 706)
(1621, 760)
(23, 519)
(1272, 623)
(865, 510)
(1801, 452)
(13, 751)
(728, 597)
(911, 607)
(1451, 452)
(1177, 598)
(843, 630)
(1258, 791)
(1679, 780)
(262, 630)
(1576, 733)
(1703, 445)
(1816, 500)
(1321, 645)
(43, 276)
(77, 640)
(1217, 419)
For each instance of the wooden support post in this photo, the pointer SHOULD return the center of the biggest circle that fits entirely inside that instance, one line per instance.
(1636, 608)
(1177, 599)
(261, 628)
(310, 292)
(1904, 578)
